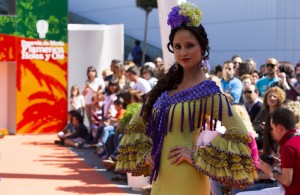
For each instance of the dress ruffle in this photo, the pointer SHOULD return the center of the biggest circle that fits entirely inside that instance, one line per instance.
(227, 159)
(134, 147)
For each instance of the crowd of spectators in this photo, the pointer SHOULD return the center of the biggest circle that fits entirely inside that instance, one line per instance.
(110, 102)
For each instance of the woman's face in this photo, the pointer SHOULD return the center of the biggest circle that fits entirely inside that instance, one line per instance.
(115, 69)
(187, 49)
(112, 88)
(272, 99)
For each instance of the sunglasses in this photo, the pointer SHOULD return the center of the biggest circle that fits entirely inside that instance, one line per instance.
(91, 70)
(245, 92)
(270, 65)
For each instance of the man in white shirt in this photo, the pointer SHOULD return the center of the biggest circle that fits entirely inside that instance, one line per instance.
(141, 84)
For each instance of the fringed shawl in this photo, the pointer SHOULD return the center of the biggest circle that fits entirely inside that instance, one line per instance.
(159, 125)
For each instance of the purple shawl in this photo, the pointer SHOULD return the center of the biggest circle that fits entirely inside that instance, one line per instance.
(158, 123)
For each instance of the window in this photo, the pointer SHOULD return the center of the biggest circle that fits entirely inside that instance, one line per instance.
(7, 7)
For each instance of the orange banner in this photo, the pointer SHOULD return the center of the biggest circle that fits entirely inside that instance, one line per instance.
(41, 85)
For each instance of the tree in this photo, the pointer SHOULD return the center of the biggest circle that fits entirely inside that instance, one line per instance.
(147, 6)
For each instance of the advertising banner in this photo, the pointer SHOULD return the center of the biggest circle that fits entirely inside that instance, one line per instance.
(39, 47)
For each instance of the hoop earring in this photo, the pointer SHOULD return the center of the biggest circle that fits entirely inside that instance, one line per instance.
(205, 64)
(201, 65)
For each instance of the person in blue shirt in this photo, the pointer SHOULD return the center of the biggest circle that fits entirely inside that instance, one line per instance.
(137, 53)
(265, 83)
(231, 85)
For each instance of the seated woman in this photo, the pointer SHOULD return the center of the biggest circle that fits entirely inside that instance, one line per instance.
(79, 137)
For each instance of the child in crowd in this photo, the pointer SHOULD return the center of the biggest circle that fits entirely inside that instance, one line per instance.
(67, 130)
(79, 137)
(108, 128)
(77, 100)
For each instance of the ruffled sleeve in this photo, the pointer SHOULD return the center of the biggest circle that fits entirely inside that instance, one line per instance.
(227, 159)
(133, 148)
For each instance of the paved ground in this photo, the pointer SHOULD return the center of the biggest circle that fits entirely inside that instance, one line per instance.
(33, 164)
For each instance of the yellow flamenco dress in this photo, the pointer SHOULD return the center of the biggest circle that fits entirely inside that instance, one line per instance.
(177, 121)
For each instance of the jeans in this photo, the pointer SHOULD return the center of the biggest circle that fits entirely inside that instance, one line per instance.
(255, 186)
(106, 131)
(215, 187)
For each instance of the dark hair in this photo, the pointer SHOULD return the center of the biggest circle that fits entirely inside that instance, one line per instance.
(119, 101)
(133, 70)
(284, 117)
(115, 61)
(269, 145)
(78, 116)
(72, 113)
(256, 71)
(131, 96)
(236, 56)
(137, 42)
(263, 65)
(113, 83)
(287, 68)
(245, 68)
(91, 68)
(228, 62)
(297, 65)
(218, 68)
(174, 76)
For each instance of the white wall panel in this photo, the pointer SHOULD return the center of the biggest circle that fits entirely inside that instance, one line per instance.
(95, 45)
(254, 28)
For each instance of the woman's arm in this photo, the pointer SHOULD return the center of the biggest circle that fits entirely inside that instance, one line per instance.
(227, 158)
(135, 148)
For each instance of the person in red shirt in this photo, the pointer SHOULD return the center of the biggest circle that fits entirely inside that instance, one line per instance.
(284, 132)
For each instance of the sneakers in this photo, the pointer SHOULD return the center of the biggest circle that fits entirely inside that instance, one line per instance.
(109, 164)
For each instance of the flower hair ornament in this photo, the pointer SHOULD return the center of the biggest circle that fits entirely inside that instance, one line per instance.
(184, 14)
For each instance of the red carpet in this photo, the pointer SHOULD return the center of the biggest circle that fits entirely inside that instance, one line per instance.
(34, 165)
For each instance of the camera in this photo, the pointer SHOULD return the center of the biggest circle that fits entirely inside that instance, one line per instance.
(267, 159)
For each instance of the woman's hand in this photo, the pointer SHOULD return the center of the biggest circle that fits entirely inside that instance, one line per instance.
(149, 160)
(179, 154)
